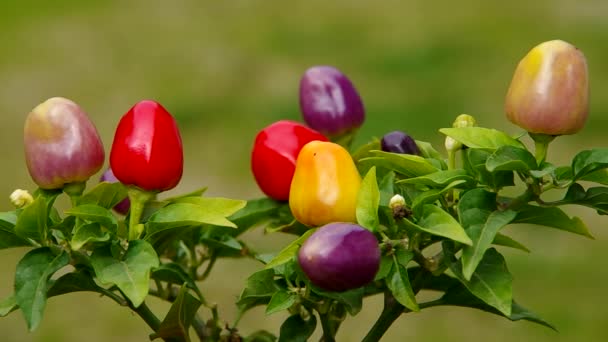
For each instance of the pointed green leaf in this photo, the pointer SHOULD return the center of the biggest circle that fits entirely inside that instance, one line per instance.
(437, 222)
(105, 195)
(368, 201)
(475, 207)
(474, 161)
(131, 274)
(405, 164)
(352, 299)
(289, 251)
(281, 300)
(8, 305)
(296, 329)
(491, 281)
(588, 161)
(255, 212)
(259, 290)
(8, 237)
(174, 273)
(85, 233)
(176, 324)
(483, 235)
(440, 178)
(32, 281)
(428, 151)
(430, 196)
(190, 211)
(386, 187)
(506, 241)
(32, 221)
(95, 213)
(479, 137)
(551, 217)
(398, 282)
(510, 158)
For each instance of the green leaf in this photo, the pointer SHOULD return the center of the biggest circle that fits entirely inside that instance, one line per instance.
(368, 200)
(551, 217)
(483, 235)
(588, 161)
(95, 213)
(8, 305)
(386, 188)
(295, 329)
(398, 282)
(8, 237)
(474, 161)
(32, 221)
(475, 207)
(510, 158)
(255, 212)
(177, 322)
(189, 211)
(386, 263)
(479, 137)
(196, 193)
(506, 241)
(364, 151)
(460, 296)
(352, 299)
(259, 290)
(430, 196)
(105, 195)
(439, 179)
(85, 233)
(281, 300)
(289, 251)
(543, 170)
(405, 164)
(435, 221)
(491, 281)
(131, 274)
(32, 281)
(594, 197)
(428, 151)
(174, 273)
(599, 176)
(78, 281)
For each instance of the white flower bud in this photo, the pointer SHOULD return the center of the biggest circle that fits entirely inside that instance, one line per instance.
(396, 201)
(20, 198)
(452, 145)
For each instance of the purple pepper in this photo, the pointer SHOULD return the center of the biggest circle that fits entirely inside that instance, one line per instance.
(399, 142)
(124, 206)
(329, 102)
(62, 145)
(340, 256)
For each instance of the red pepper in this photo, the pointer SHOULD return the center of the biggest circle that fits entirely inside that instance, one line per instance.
(273, 159)
(147, 148)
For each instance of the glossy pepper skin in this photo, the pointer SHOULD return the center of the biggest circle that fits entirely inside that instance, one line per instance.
(123, 206)
(340, 256)
(274, 154)
(325, 185)
(147, 148)
(549, 92)
(329, 101)
(399, 142)
(62, 145)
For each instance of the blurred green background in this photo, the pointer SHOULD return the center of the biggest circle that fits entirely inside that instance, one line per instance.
(228, 68)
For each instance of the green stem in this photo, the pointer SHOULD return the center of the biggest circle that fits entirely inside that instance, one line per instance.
(541, 146)
(138, 199)
(392, 310)
(210, 264)
(74, 190)
(329, 330)
(147, 315)
(451, 160)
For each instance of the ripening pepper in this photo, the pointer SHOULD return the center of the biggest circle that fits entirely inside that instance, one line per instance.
(147, 148)
(325, 185)
(399, 142)
(340, 256)
(274, 154)
(62, 145)
(549, 92)
(123, 206)
(329, 101)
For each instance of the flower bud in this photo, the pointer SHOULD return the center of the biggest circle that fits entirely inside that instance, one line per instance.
(329, 102)
(61, 144)
(123, 206)
(396, 202)
(464, 120)
(452, 145)
(549, 92)
(399, 142)
(20, 198)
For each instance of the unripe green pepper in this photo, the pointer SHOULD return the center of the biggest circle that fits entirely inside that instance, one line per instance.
(549, 93)
(325, 185)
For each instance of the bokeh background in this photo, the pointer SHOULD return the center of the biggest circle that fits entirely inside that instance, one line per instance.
(226, 69)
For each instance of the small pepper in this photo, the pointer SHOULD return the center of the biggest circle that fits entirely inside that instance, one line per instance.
(325, 185)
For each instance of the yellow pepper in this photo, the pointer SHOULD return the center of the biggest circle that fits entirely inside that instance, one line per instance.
(325, 185)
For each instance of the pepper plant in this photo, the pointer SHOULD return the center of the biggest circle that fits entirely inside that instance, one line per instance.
(390, 218)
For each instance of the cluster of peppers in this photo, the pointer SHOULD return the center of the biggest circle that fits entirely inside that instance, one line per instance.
(305, 168)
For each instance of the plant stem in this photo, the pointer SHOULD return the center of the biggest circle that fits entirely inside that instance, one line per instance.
(541, 145)
(138, 199)
(74, 190)
(329, 330)
(392, 310)
(147, 315)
